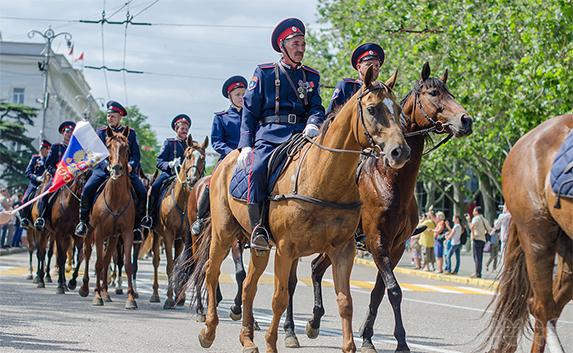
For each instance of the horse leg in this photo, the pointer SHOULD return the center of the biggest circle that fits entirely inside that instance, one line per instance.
(240, 274)
(155, 296)
(257, 266)
(78, 245)
(319, 266)
(290, 336)
(85, 288)
(134, 264)
(69, 257)
(98, 301)
(30, 264)
(169, 302)
(179, 246)
(62, 245)
(109, 252)
(367, 328)
(119, 264)
(342, 259)
(283, 267)
(50, 240)
(127, 245)
(41, 257)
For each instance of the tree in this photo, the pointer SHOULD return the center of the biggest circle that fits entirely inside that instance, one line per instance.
(145, 135)
(15, 148)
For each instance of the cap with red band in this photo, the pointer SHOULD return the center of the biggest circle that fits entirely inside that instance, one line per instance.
(367, 51)
(115, 107)
(45, 144)
(66, 125)
(180, 119)
(289, 28)
(233, 83)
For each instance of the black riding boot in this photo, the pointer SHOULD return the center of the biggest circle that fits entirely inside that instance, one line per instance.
(82, 227)
(139, 214)
(360, 238)
(259, 235)
(202, 212)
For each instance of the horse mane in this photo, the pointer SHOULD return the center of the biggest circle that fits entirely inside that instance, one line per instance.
(430, 82)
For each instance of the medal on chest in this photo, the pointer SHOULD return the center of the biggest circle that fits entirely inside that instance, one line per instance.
(304, 88)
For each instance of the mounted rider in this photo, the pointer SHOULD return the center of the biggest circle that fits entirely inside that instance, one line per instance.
(172, 152)
(115, 112)
(34, 172)
(225, 134)
(57, 150)
(282, 99)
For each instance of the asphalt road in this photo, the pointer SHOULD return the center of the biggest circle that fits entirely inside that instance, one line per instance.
(439, 316)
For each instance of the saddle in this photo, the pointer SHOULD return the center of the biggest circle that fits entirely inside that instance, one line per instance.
(561, 175)
(280, 158)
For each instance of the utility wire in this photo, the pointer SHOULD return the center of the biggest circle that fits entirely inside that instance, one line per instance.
(123, 62)
(145, 9)
(121, 8)
(103, 53)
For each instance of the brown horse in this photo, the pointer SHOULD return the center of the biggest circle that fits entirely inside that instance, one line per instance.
(326, 168)
(112, 216)
(173, 225)
(538, 233)
(44, 241)
(389, 208)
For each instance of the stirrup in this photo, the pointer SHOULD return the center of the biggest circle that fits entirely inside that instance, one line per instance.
(197, 226)
(137, 236)
(24, 222)
(147, 222)
(39, 224)
(260, 239)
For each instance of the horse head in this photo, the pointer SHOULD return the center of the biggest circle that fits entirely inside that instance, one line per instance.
(193, 166)
(118, 146)
(429, 105)
(378, 125)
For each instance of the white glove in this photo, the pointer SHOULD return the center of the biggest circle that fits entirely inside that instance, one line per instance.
(243, 161)
(39, 179)
(311, 130)
(174, 163)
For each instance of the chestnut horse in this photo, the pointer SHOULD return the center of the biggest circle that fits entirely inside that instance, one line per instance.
(112, 216)
(368, 124)
(172, 226)
(538, 233)
(389, 208)
(44, 241)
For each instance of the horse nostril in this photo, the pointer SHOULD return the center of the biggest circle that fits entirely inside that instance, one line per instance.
(467, 121)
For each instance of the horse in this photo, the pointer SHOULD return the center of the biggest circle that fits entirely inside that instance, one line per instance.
(112, 216)
(368, 124)
(389, 209)
(172, 225)
(541, 229)
(44, 241)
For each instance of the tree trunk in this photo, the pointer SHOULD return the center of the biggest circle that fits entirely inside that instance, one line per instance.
(487, 193)
(430, 189)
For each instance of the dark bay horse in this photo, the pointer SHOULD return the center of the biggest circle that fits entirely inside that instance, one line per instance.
(172, 226)
(539, 232)
(326, 167)
(44, 241)
(389, 208)
(112, 216)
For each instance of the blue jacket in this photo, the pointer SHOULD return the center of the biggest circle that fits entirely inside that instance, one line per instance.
(171, 149)
(342, 92)
(35, 168)
(54, 157)
(260, 103)
(134, 152)
(226, 131)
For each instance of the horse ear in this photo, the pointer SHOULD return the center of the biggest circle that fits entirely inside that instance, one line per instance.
(126, 131)
(392, 80)
(369, 77)
(444, 77)
(205, 143)
(109, 132)
(425, 71)
(189, 140)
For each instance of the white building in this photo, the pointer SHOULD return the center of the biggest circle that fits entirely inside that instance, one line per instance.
(21, 81)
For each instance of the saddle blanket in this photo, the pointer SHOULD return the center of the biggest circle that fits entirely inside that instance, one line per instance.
(239, 186)
(562, 170)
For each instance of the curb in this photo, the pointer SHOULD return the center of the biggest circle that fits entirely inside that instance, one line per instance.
(478, 282)
(10, 251)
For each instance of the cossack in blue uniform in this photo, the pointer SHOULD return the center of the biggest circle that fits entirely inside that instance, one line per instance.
(226, 131)
(34, 172)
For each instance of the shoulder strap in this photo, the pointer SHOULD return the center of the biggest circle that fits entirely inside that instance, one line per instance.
(277, 89)
(299, 91)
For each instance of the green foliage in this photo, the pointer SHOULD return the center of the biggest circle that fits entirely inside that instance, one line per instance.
(510, 65)
(145, 136)
(15, 148)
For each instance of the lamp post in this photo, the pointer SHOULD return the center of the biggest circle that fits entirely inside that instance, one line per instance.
(49, 35)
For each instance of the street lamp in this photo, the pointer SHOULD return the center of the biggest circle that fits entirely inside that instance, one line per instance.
(49, 35)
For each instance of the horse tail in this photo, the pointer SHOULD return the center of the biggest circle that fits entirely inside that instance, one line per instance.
(510, 318)
(189, 269)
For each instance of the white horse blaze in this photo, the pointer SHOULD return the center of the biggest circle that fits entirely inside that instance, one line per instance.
(389, 104)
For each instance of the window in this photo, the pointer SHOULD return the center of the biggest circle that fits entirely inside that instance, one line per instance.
(18, 96)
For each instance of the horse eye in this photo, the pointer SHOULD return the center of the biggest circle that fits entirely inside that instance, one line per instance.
(434, 92)
(371, 110)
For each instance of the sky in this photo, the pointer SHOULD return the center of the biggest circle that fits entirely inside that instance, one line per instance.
(189, 63)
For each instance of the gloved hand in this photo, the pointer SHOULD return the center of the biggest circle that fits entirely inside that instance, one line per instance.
(311, 130)
(39, 179)
(244, 160)
(174, 163)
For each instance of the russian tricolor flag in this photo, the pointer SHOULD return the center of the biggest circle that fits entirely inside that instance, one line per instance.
(84, 152)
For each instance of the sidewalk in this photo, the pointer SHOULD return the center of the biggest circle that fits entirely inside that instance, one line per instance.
(467, 268)
(11, 251)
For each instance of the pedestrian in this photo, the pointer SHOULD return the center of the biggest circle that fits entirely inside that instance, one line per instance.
(416, 251)
(454, 237)
(426, 241)
(440, 232)
(17, 239)
(6, 229)
(479, 227)
(493, 250)
(502, 224)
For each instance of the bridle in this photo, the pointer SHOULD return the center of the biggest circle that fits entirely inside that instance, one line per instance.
(197, 165)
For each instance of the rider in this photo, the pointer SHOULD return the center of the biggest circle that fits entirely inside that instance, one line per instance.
(115, 112)
(172, 152)
(282, 99)
(34, 172)
(224, 137)
(56, 152)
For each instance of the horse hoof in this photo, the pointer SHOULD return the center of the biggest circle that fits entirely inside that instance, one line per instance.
(107, 298)
(48, 279)
(41, 285)
(234, 315)
(200, 317)
(251, 350)
(72, 284)
(119, 291)
(130, 305)
(291, 342)
(83, 292)
(205, 343)
(60, 290)
(135, 295)
(29, 277)
(154, 298)
(181, 302)
(402, 350)
(97, 301)
(36, 280)
(169, 304)
(311, 332)
(256, 326)
(367, 347)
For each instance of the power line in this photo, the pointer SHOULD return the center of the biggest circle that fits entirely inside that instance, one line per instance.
(123, 69)
(123, 62)
(103, 53)
(121, 8)
(145, 9)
